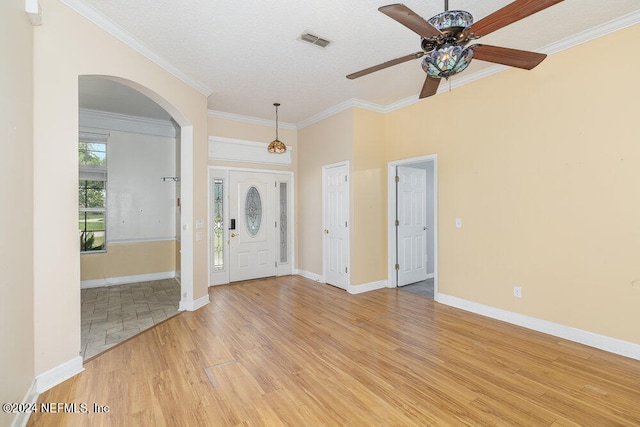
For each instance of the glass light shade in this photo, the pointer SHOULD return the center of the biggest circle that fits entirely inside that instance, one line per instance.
(447, 61)
(277, 146)
(451, 19)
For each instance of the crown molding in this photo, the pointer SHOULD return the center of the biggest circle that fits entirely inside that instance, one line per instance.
(95, 119)
(250, 120)
(350, 103)
(118, 32)
(593, 33)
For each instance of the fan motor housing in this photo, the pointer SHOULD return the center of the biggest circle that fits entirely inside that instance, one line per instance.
(454, 26)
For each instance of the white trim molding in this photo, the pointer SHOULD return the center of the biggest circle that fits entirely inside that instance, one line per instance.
(250, 120)
(309, 275)
(30, 398)
(93, 15)
(123, 280)
(95, 119)
(240, 150)
(366, 287)
(350, 103)
(57, 375)
(186, 305)
(612, 345)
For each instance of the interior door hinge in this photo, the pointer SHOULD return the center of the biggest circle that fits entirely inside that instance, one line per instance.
(397, 223)
(397, 266)
(345, 223)
(275, 264)
(346, 270)
(397, 178)
(345, 178)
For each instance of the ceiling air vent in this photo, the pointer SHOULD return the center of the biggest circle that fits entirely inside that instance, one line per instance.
(314, 40)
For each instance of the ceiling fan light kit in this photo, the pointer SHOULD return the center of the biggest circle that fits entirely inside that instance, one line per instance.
(276, 146)
(445, 36)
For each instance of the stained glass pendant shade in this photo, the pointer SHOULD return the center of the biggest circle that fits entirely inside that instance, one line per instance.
(450, 57)
(277, 146)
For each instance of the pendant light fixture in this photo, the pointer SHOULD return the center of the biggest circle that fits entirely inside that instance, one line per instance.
(277, 146)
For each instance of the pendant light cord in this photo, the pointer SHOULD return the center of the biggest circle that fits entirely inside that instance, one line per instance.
(276, 121)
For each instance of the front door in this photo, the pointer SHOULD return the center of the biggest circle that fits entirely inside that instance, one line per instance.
(252, 248)
(411, 225)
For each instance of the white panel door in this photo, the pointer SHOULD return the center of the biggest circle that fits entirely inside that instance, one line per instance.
(336, 225)
(252, 252)
(412, 225)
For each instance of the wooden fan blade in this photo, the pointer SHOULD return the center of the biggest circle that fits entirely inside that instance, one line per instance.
(505, 56)
(430, 87)
(385, 65)
(410, 19)
(509, 14)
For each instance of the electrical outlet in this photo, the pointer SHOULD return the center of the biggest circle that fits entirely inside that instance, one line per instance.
(517, 291)
(458, 222)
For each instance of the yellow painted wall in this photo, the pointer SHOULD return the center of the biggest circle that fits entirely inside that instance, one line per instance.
(368, 199)
(543, 167)
(326, 142)
(16, 208)
(129, 259)
(65, 47)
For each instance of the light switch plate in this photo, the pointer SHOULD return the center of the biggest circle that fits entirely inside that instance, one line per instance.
(458, 222)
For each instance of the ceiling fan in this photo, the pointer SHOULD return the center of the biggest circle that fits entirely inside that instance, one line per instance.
(444, 38)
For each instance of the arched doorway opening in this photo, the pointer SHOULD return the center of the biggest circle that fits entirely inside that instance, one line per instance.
(144, 235)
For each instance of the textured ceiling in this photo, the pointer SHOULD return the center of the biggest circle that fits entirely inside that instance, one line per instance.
(248, 53)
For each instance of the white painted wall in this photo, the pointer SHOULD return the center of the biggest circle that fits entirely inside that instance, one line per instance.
(140, 206)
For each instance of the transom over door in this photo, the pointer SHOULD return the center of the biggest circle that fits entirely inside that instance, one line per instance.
(252, 243)
(411, 225)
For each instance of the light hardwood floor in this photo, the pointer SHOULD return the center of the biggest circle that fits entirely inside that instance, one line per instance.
(289, 351)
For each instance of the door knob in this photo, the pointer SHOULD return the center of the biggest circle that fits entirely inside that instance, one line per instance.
(234, 234)
(326, 231)
(424, 228)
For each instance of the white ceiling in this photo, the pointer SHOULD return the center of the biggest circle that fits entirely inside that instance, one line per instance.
(247, 55)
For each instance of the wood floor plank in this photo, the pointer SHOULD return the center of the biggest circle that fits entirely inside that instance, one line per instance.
(289, 351)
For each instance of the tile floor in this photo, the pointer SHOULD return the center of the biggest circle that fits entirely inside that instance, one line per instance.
(423, 288)
(113, 314)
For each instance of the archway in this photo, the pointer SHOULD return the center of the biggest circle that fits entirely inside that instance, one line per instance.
(183, 180)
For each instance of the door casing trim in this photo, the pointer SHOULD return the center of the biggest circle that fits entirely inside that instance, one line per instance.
(392, 281)
(226, 170)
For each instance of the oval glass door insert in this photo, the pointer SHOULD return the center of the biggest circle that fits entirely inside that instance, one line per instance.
(253, 211)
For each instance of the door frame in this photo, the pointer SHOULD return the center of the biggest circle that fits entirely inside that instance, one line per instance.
(392, 250)
(223, 171)
(325, 261)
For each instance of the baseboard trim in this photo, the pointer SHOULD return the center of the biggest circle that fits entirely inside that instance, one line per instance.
(59, 374)
(123, 280)
(309, 275)
(193, 305)
(30, 398)
(366, 287)
(602, 342)
(431, 275)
